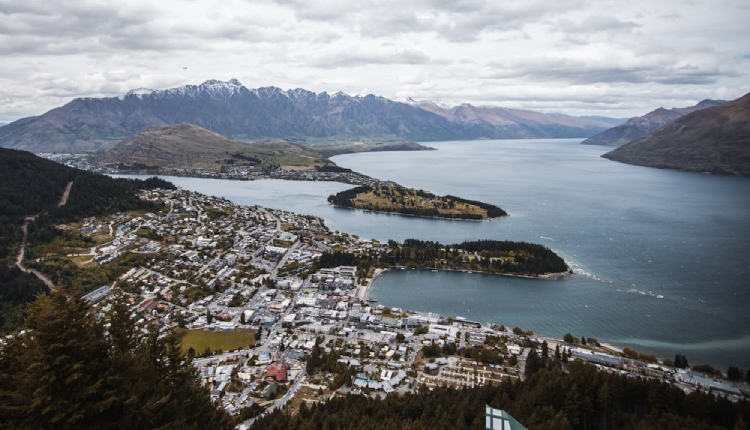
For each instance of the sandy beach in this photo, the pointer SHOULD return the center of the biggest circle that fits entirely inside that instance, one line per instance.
(362, 289)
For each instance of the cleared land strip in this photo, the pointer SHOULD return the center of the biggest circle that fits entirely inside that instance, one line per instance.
(22, 250)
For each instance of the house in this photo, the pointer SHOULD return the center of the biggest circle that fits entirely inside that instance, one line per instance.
(269, 392)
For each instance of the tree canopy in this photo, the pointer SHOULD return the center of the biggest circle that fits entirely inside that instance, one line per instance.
(69, 371)
(578, 398)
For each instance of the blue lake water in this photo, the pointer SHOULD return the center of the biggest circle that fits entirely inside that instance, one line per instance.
(661, 258)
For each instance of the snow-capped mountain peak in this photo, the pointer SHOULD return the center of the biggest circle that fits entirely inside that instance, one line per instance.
(138, 92)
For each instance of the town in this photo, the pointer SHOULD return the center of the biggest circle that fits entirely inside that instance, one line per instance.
(297, 330)
(242, 173)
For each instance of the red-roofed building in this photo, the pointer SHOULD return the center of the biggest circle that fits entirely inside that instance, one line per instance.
(278, 371)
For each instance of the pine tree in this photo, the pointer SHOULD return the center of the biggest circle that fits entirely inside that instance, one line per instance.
(545, 354)
(66, 372)
(533, 362)
(61, 371)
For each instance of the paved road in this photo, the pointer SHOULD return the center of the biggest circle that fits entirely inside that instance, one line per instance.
(284, 259)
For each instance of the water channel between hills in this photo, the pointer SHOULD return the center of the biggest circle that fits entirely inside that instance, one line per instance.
(661, 258)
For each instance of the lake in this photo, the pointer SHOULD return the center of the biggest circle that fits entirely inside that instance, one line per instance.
(661, 258)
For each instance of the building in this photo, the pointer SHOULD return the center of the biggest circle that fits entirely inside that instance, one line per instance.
(596, 357)
(97, 295)
(278, 371)
(707, 383)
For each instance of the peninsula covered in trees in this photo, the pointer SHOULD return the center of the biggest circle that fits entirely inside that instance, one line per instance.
(394, 198)
(487, 256)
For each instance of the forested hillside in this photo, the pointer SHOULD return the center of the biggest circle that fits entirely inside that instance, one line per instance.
(68, 372)
(33, 186)
(579, 398)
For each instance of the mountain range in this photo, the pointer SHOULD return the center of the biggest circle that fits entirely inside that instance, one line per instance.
(640, 126)
(235, 111)
(714, 140)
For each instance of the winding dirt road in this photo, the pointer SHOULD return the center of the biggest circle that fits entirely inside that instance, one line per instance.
(22, 250)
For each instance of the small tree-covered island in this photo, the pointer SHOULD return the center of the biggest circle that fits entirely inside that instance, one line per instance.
(392, 198)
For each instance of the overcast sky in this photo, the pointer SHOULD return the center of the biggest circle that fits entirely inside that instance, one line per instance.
(613, 58)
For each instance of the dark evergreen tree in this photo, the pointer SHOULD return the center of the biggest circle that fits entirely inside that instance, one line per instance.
(545, 354)
(680, 361)
(533, 362)
(733, 373)
(579, 397)
(66, 372)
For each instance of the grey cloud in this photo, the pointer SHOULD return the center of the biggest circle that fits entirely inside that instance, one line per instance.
(26, 45)
(596, 24)
(578, 72)
(457, 6)
(326, 10)
(325, 37)
(397, 22)
(354, 59)
(595, 27)
(456, 21)
(144, 38)
(68, 19)
(65, 27)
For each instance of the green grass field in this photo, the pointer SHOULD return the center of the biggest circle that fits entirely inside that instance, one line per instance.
(224, 340)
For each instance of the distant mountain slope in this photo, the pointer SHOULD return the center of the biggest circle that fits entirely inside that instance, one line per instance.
(640, 126)
(232, 110)
(500, 122)
(605, 120)
(715, 140)
(186, 146)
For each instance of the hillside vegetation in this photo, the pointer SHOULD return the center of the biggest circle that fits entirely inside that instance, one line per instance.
(73, 370)
(549, 399)
(30, 185)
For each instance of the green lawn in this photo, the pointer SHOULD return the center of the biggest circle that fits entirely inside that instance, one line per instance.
(224, 340)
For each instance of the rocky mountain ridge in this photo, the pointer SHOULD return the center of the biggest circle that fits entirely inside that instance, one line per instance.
(235, 111)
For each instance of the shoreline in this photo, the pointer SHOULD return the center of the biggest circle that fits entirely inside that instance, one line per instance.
(606, 347)
(488, 219)
(362, 290)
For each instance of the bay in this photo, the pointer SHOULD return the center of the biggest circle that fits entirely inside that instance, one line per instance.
(661, 258)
